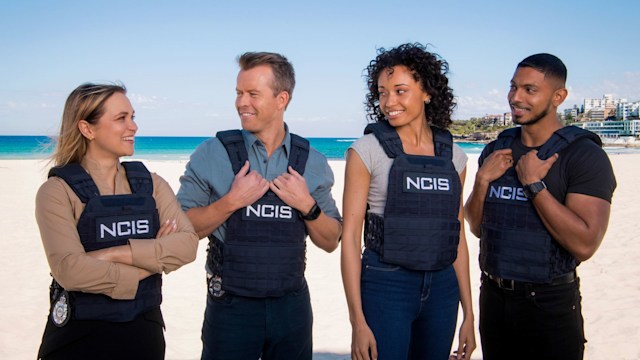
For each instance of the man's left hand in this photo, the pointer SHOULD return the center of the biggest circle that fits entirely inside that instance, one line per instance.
(292, 189)
(531, 169)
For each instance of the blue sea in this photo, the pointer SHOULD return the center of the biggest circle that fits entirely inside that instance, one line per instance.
(179, 148)
(168, 148)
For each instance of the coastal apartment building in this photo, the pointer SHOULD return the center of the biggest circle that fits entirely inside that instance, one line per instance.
(605, 108)
(613, 129)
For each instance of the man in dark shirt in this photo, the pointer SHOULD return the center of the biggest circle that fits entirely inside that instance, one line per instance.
(540, 205)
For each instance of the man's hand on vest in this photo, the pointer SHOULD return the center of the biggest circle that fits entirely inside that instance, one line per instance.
(495, 165)
(531, 169)
(292, 189)
(247, 187)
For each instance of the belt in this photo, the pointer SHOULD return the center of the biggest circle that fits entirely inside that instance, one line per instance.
(507, 284)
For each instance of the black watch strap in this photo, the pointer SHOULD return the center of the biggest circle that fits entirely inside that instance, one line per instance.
(313, 213)
(531, 190)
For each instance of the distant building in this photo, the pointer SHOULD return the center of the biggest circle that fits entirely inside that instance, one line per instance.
(597, 114)
(613, 129)
(607, 101)
(492, 119)
(506, 119)
(628, 110)
(573, 112)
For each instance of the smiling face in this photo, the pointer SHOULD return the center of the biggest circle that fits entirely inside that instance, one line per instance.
(112, 136)
(533, 97)
(402, 98)
(257, 105)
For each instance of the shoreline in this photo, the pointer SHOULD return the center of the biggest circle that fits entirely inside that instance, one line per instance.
(608, 280)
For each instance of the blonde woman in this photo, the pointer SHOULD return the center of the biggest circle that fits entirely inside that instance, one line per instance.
(109, 229)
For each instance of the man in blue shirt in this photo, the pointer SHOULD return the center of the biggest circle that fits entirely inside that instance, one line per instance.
(257, 193)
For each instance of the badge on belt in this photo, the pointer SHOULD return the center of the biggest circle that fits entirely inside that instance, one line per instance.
(60, 310)
(215, 285)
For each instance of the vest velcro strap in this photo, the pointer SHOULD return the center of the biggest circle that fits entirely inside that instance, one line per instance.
(234, 144)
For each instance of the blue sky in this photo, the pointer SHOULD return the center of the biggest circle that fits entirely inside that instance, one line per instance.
(177, 58)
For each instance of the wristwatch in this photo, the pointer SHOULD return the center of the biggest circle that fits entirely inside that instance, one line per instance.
(313, 213)
(531, 190)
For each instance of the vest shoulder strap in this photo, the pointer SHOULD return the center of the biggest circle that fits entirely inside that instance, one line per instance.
(78, 179)
(564, 137)
(392, 145)
(139, 177)
(387, 136)
(83, 185)
(442, 142)
(299, 153)
(234, 144)
(505, 138)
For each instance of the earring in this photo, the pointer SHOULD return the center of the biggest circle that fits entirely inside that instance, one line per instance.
(427, 101)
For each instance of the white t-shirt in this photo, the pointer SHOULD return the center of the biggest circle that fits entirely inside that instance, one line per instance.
(379, 164)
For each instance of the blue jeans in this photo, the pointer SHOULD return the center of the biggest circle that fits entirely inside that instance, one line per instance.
(532, 322)
(412, 314)
(243, 328)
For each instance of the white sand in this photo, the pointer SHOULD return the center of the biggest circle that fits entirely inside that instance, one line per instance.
(610, 285)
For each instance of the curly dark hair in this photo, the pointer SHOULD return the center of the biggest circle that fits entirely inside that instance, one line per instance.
(428, 68)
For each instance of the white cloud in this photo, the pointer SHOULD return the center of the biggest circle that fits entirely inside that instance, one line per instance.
(493, 102)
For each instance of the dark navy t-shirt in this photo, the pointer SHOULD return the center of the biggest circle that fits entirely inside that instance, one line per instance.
(582, 168)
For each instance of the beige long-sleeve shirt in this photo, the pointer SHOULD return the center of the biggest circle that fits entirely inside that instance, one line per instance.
(58, 210)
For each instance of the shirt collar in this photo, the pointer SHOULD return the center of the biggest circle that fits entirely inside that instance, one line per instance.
(250, 139)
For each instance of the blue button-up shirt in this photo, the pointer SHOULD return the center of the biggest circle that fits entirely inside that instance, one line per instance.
(208, 175)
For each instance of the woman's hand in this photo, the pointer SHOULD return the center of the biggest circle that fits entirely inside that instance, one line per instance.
(363, 344)
(467, 341)
(169, 227)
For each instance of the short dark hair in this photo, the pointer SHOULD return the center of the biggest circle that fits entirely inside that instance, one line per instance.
(550, 65)
(283, 74)
(427, 68)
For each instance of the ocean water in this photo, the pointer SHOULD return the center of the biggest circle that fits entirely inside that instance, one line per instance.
(171, 148)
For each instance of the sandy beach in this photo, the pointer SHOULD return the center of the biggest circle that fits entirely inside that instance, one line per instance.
(610, 285)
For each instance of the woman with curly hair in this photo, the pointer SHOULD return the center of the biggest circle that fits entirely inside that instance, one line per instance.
(403, 181)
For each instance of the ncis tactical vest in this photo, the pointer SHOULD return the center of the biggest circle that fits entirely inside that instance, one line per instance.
(263, 254)
(420, 229)
(111, 220)
(514, 243)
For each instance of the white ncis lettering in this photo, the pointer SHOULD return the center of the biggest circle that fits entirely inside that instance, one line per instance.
(125, 228)
(427, 183)
(270, 211)
(507, 193)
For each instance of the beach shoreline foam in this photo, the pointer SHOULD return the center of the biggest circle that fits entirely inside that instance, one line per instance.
(609, 287)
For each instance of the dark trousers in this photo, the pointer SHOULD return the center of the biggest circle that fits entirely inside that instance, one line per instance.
(243, 328)
(142, 338)
(531, 322)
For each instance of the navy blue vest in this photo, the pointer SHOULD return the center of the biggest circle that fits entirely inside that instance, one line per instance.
(263, 254)
(514, 243)
(420, 229)
(111, 220)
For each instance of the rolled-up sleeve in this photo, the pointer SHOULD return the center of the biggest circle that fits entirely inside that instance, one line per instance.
(196, 189)
(320, 180)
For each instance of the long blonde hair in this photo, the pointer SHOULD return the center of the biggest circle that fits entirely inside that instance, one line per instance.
(86, 102)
